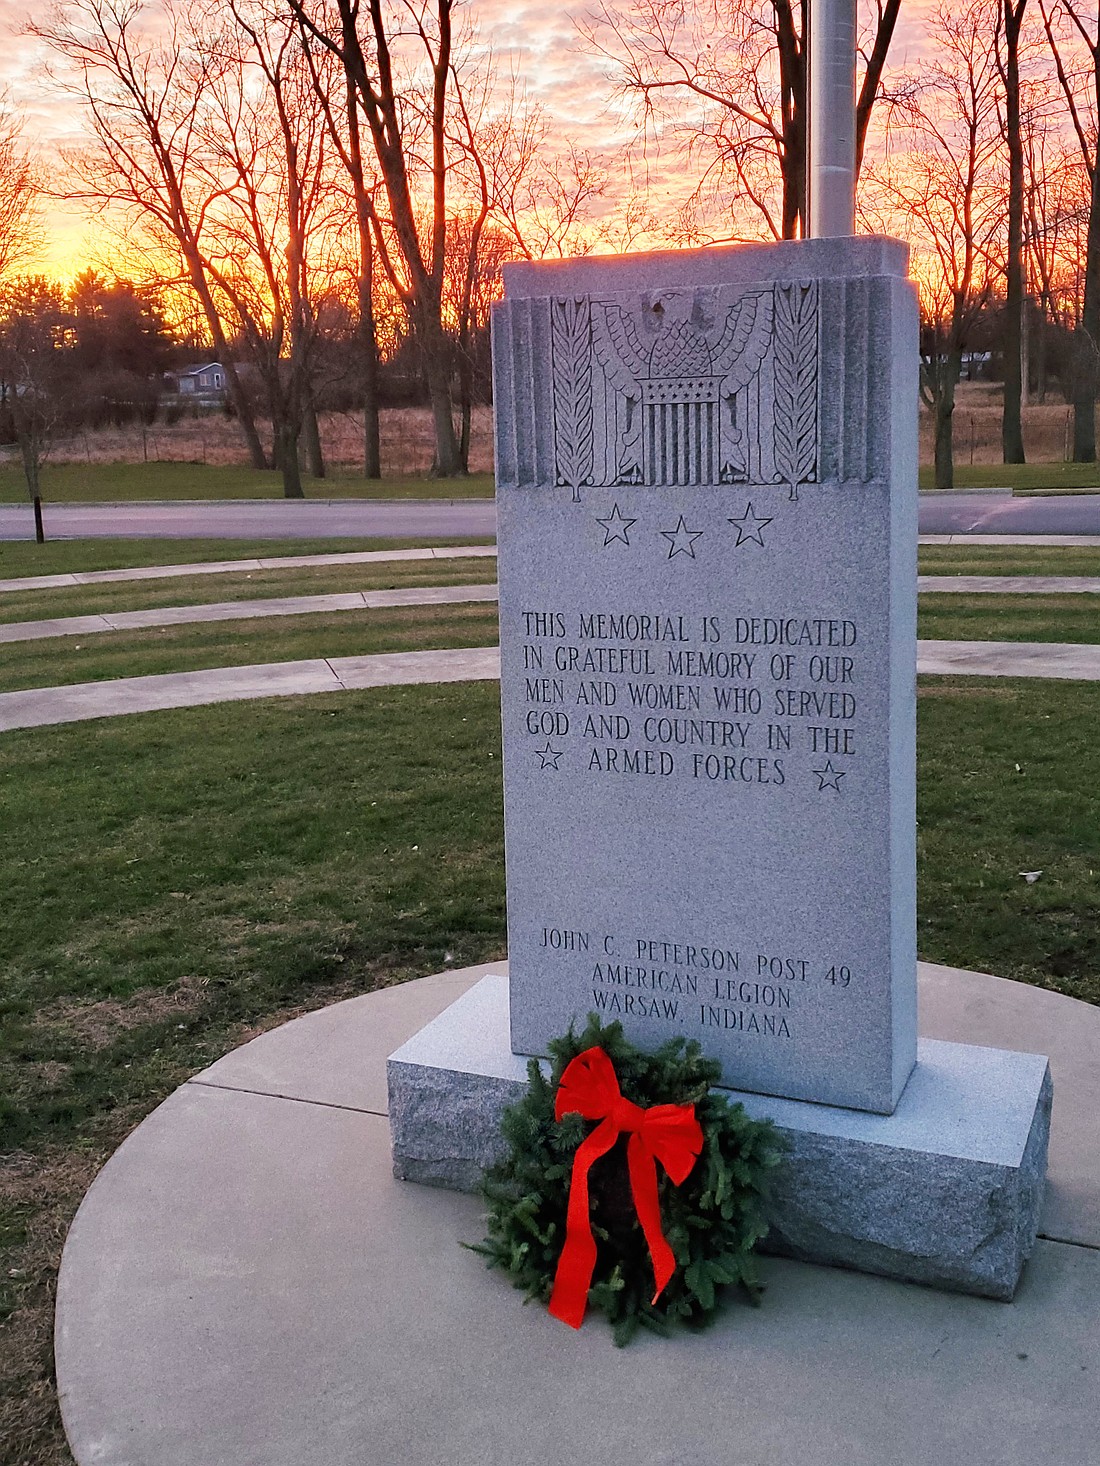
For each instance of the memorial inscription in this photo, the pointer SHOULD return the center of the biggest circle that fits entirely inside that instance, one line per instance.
(706, 502)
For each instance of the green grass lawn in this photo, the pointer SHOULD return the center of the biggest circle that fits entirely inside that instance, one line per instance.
(1007, 560)
(177, 882)
(58, 661)
(69, 557)
(81, 483)
(1020, 476)
(140, 595)
(1008, 781)
(960, 617)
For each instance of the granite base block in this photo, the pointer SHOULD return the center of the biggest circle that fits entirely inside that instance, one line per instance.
(946, 1191)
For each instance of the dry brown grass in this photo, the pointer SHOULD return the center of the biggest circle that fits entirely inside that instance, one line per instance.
(978, 427)
(95, 1024)
(215, 439)
(407, 440)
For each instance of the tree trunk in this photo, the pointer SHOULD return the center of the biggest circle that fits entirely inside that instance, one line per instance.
(288, 461)
(1012, 433)
(372, 449)
(315, 454)
(39, 532)
(1088, 336)
(946, 369)
(448, 462)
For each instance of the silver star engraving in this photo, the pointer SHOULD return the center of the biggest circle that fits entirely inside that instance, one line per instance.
(681, 540)
(748, 527)
(549, 756)
(828, 777)
(615, 527)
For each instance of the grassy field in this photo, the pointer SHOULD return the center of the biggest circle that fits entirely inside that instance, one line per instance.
(78, 483)
(1009, 780)
(73, 557)
(58, 661)
(1007, 560)
(177, 882)
(76, 556)
(140, 595)
(1014, 476)
(960, 617)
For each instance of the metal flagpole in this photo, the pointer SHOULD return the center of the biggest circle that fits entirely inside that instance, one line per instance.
(831, 154)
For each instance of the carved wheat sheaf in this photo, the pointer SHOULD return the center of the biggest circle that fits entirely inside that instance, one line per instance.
(795, 368)
(571, 340)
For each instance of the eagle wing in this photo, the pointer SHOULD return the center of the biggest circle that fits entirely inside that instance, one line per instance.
(618, 347)
(744, 340)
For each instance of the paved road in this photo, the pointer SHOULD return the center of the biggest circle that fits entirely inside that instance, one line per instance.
(1002, 514)
(988, 513)
(237, 519)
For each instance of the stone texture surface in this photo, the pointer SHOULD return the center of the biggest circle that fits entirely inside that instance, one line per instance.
(707, 504)
(945, 1191)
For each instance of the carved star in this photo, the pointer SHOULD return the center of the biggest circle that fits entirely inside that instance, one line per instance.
(749, 526)
(615, 527)
(681, 539)
(828, 777)
(549, 756)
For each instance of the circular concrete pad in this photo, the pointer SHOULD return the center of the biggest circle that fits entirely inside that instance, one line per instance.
(246, 1285)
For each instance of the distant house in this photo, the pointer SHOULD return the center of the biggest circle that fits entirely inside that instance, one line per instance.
(203, 384)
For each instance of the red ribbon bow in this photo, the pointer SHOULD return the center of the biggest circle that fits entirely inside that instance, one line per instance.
(666, 1133)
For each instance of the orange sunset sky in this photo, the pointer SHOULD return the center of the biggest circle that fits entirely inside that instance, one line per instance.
(537, 41)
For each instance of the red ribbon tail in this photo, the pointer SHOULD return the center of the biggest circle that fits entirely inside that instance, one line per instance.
(578, 1257)
(643, 1183)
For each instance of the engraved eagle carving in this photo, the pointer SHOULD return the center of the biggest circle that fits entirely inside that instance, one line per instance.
(680, 367)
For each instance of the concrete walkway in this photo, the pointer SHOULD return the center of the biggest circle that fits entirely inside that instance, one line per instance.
(426, 595)
(445, 595)
(1035, 541)
(445, 552)
(41, 706)
(38, 707)
(245, 1284)
(1058, 660)
(243, 567)
(1010, 585)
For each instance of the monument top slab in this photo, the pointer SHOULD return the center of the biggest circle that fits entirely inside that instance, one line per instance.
(730, 264)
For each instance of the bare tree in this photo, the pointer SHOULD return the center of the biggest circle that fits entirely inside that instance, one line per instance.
(542, 191)
(728, 83)
(1076, 53)
(943, 188)
(264, 155)
(1010, 19)
(381, 53)
(20, 192)
(32, 320)
(143, 96)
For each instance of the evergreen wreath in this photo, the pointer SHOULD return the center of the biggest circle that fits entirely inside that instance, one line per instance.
(712, 1220)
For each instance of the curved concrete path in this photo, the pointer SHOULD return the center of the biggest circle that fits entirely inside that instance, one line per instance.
(424, 595)
(39, 706)
(242, 567)
(443, 595)
(442, 552)
(245, 1284)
